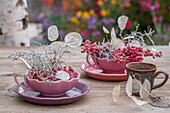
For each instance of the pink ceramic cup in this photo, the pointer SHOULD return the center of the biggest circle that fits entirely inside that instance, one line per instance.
(56, 88)
(107, 65)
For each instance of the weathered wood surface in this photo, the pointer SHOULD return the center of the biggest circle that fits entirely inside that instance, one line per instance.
(98, 100)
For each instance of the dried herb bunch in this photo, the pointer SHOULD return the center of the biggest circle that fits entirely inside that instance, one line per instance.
(48, 65)
(130, 48)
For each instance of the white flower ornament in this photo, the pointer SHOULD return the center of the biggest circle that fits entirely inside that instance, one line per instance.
(63, 75)
(73, 39)
(53, 33)
(105, 30)
(122, 20)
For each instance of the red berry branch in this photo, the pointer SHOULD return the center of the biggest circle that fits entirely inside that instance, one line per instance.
(48, 66)
(44, 74)
(128, 54)
(49, 75)
(44, 68)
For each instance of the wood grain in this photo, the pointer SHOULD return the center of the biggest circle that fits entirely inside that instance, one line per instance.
(98, 100)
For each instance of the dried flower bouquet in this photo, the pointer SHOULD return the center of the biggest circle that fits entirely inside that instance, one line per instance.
(48, 66)
(130, 48)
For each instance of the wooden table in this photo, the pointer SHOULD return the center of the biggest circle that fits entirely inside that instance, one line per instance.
(98, 100)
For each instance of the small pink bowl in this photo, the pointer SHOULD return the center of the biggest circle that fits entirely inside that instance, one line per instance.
(56, 88)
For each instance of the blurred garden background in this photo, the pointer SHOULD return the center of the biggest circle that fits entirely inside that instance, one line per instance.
(88, 16)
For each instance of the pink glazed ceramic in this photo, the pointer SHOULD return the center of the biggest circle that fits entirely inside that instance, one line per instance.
(73, 95)
(100, 75)
(56, 88)
(107, 65)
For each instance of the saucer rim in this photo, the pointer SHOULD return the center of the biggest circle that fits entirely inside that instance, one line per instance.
(52, 98)
(103, 74)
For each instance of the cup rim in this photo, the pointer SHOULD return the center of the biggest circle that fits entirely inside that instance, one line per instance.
(127, 66)
(109, 60)
(77, 78)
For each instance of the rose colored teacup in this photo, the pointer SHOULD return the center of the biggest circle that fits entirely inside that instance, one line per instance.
(56, 88)
(107, 65)
(143, 70)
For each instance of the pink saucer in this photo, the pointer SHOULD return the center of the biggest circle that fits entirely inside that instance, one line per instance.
(98, 74)
(70, 96)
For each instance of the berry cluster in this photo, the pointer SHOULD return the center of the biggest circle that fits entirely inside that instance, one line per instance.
(128, 54)
(149, 53)
(49, 74)
(88, 47)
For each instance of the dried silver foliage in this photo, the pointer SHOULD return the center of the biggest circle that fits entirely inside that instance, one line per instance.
(50, 60)
(137, 37)
(39, 61)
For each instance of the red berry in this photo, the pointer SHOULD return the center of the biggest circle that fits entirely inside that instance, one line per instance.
(148, 50)
(56, 70)
(82, 47)
(39, 79)
(34, 77)
(86, 45)
(32, 73)
(45, 75)
(70, 78)
(33, 67)
(65, 70)
(71, 69)
(131, 56)
(145, 54)
(52, 78)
